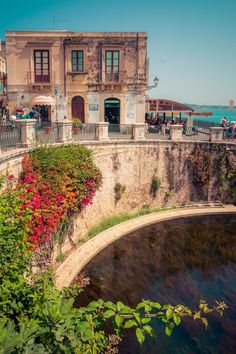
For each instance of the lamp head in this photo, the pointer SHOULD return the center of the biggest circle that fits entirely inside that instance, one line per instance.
(156, 80)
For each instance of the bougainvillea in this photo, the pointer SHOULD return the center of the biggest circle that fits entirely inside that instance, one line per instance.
(55, 183)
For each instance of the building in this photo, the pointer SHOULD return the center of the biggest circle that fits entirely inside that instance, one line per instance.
(3, 76)
(92, 76)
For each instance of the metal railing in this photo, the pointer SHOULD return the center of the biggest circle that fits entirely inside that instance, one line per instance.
(46, 132)
(10, 135)
(120, 131)
(85, 132)
(157, 132)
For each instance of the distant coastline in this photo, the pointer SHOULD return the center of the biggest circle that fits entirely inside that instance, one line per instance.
(207, 107)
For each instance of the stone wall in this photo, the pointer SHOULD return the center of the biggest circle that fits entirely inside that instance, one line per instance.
(133, 165)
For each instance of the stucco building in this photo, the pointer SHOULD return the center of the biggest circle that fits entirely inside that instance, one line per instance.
(93, 76)
(3, 75)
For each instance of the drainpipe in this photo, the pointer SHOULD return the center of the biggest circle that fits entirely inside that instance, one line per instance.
(64, 62)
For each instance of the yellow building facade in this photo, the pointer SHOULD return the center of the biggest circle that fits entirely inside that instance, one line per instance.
(93, 76)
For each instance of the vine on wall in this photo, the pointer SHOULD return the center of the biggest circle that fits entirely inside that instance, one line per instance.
(215, 164)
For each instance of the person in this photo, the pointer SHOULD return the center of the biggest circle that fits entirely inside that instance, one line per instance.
(224, 123)
(34, 114)
(233, 125)
(23, 115)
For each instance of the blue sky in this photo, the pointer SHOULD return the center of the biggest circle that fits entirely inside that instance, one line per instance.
(191, 46)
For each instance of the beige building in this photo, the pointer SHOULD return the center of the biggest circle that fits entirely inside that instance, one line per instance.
(3, 76)
(92, 76)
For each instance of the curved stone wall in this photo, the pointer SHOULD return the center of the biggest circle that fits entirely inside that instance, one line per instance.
(76, 261)
(131, 165)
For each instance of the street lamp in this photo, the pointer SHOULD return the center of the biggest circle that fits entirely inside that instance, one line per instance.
(156, 81)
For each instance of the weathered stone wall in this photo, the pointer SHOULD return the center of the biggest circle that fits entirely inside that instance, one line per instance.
(133, 165)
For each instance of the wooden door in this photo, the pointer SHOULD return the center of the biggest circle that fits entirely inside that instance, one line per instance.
(78, 108)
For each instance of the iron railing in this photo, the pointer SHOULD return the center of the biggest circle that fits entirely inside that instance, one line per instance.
(46, 132)
(85, 132)
(10, 135)
(157, 132)
(120, 131)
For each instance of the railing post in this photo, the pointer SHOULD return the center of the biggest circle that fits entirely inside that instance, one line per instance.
(216, 133)
(176, 131)
(101, 131)
(64, 131)
(138, 131)
(28, 133)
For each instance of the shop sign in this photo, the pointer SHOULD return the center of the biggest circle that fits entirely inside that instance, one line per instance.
(93, 107)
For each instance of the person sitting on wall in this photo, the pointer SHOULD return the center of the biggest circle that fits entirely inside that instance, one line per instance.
(24, 115)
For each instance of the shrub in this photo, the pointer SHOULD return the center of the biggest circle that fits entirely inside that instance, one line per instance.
(155, 185)
(119, 189)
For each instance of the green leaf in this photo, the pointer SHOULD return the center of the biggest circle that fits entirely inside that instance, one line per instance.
(108, 314)
(169, 314)
(130, 324)
(137, 317)
(168, 330)
(119, 305)
(140, 335)
(149, 330)
(145, 320)
(118, 320)
(177, 319)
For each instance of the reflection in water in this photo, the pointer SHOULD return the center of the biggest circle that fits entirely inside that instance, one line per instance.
(177, 261)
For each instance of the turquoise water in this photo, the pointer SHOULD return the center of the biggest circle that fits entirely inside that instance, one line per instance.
(218, 114)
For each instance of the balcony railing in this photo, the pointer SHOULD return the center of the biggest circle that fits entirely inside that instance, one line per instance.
(33, 79)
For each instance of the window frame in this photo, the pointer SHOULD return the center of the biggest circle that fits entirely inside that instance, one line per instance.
(112, 75)
(39, 66)
(77, 58)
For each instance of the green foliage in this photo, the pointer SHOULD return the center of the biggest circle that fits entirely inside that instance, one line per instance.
(155, 185)
(35, 317)
(77, 122)
(119, 189)
(115, 220)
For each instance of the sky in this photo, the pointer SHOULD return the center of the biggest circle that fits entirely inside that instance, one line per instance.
(191, 43)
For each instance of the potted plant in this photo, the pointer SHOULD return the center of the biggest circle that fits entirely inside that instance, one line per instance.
(76, 125)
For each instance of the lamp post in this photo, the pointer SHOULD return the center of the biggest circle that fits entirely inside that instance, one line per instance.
(156, 81)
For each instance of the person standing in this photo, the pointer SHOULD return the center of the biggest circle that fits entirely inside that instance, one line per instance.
(233, 126)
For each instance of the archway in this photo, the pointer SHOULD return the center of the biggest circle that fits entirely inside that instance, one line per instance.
(112, 110)
(77, 108)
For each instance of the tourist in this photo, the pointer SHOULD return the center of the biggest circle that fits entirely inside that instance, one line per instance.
(224, 123)
(23, 115)
(233, 125)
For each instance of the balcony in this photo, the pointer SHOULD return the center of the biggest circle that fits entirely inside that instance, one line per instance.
(40, 82)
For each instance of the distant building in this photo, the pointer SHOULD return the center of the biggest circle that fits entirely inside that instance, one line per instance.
(92, 76)
(164, 105)
(3, 75)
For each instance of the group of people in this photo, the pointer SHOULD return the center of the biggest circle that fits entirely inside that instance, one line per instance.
(33, 114)
(229, 128)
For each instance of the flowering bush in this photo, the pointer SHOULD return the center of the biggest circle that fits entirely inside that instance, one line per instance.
(55, 182)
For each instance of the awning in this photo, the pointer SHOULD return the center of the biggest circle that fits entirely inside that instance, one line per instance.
(43, 100)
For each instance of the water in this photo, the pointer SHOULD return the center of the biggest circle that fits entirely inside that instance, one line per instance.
(218, 114)
(177, 261)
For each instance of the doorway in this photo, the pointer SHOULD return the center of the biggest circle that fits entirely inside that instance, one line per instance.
(112, 110)
(77, 108)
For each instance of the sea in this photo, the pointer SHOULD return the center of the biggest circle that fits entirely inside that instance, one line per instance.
(218, 114)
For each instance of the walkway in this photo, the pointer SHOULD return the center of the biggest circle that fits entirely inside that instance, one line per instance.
(76, 261)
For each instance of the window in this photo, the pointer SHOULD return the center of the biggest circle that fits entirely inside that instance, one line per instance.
(41, 66)
(77, 61)
(112, 65)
